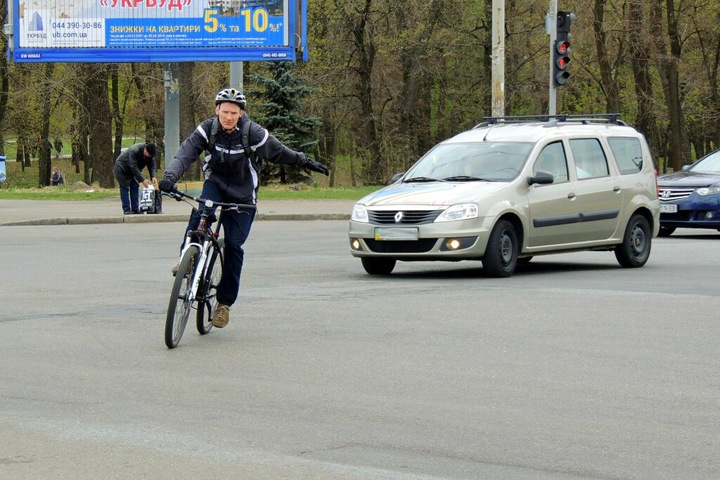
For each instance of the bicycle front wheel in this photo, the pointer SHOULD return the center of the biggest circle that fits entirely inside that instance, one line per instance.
(207, 293)
(180, 304)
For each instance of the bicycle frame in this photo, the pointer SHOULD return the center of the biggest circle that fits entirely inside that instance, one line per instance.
(209, 237)
(205, 233)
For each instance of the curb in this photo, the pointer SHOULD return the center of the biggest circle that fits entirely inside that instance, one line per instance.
(166, 218)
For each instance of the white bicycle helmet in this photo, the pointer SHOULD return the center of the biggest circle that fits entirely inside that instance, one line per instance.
(230, 95)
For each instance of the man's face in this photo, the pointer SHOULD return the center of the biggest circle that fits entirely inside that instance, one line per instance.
(229, 114)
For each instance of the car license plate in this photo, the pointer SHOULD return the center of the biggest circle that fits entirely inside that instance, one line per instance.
(670, 208)
(396, 233)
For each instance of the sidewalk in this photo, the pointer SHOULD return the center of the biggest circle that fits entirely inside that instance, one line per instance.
(49, 212)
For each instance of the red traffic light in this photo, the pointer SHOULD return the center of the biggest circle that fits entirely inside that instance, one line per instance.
(563, 48)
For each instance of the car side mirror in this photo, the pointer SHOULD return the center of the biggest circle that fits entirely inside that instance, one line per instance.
(685, 168)
(541, 178)
(396, 177)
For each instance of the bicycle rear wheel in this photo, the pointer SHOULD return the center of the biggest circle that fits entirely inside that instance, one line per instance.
(180, 304)
(207, 293)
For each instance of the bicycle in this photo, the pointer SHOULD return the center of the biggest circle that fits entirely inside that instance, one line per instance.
(200, 269)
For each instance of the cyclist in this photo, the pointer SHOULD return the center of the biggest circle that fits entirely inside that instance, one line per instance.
(232, 176)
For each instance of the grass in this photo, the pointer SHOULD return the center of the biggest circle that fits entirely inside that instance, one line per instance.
(23, 185)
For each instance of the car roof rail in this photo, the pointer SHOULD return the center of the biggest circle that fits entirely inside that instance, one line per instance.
(555, 120)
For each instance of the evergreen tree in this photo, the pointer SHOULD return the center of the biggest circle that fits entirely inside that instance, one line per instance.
(281, 114)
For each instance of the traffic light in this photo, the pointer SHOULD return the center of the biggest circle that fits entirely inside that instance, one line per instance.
(561, 50)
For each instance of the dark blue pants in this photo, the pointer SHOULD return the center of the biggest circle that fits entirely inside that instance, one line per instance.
(129, 197)
(236, 228)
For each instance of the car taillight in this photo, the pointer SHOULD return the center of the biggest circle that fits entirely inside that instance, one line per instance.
(657, 186)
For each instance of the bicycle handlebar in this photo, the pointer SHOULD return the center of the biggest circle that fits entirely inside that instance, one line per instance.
(179, 196)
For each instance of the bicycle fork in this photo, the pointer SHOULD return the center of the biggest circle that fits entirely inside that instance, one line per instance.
(199, 269)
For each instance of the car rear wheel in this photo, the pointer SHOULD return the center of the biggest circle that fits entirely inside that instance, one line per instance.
(634, 251)
(665, 231)
(501, 254)
(378, 266)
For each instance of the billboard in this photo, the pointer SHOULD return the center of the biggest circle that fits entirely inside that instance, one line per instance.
(156, 30)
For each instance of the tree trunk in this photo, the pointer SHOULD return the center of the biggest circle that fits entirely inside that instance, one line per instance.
(327, 147)
(668, 67)
(45, 153)
(20, 155)
(4, 76)
(712, 65)
(640, 59)
(609, 85)
(101, 150)
(116, 113)
(374, 165)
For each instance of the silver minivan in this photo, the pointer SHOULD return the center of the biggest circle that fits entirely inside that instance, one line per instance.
(510, 189)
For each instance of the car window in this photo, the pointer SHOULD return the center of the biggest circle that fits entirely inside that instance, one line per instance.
(491, 161)
(628, 154)
(708, 164)
(552, 160)
(589, 158)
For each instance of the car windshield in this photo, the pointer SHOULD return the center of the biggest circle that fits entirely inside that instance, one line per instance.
(471, 162)
(709, 164)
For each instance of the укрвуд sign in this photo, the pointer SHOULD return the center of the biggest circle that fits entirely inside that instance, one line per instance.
(155, 30)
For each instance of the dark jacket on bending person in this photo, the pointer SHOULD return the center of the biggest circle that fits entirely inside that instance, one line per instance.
(130, 163)
(227, 164)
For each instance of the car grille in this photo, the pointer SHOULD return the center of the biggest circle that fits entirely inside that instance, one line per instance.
(411, 246)
(668, 194)
(681, 216)
(409, 217)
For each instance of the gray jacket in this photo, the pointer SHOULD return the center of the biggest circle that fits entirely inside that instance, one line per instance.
(237, 175)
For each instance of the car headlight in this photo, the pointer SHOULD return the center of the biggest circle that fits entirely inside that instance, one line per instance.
(359, 214)
(459, 212)
(708, 191)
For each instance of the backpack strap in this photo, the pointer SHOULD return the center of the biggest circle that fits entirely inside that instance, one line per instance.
(246, 140)
(213, 135)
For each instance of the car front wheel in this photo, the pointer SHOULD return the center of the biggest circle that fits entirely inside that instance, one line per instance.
(378, 266)
(634, 251)
(501, 254)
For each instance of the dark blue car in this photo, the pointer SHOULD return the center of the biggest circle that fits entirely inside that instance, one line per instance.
(691, 198)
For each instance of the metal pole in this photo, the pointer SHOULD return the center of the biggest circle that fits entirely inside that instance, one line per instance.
(551, 27)
(171, 77)
(236, 75)
(498, 58)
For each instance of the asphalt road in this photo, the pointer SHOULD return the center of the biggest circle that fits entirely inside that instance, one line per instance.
(574, 368)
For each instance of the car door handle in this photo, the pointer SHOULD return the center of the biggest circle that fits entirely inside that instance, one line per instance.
(571, 195)
(616, 189)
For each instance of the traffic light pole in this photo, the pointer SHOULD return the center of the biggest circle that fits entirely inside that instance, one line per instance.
(551, 27)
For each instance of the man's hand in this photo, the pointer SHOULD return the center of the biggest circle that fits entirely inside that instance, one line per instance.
(166, 186)
(315, 166)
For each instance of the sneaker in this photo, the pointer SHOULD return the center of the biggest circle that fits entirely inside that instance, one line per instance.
(222, 316)
(175, 269)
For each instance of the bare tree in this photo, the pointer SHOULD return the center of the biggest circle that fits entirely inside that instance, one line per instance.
(101, 149)
(45, 152)
(670, 78)
(4, 76)
(640, 60)
(609, 84)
